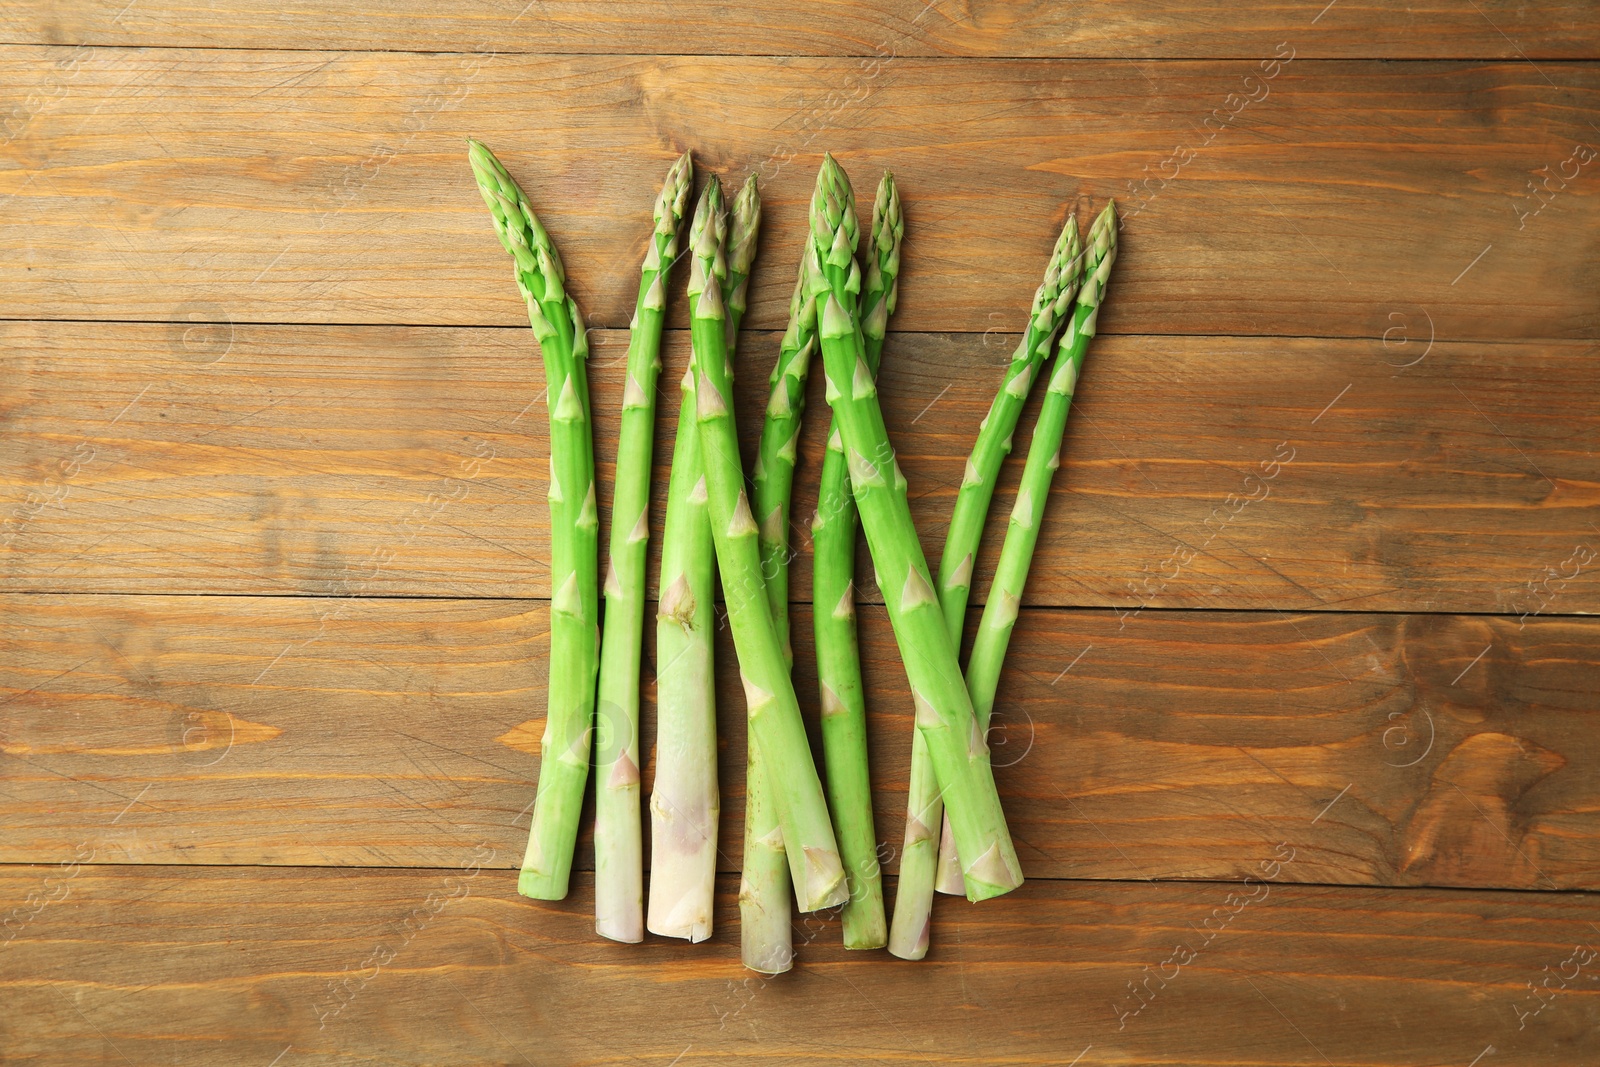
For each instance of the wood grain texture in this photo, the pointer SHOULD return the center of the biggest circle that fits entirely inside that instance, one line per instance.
(200, 966)
(258, 340)
(1385, 749)
(226, 186)
(388, 461)
(1485, 29)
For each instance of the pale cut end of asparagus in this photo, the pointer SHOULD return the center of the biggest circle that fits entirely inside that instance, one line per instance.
(994, 869)
(680, 893)
(689, 918)
(625, 925)
(914, 947)
(771, 955)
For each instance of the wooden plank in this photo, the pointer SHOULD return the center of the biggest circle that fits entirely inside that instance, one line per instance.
(207, 965)
(1157, 29)
(176, 185)
(387, 461)
(1386, 749)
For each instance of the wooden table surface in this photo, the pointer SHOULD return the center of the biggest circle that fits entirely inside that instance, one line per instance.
(273, 530)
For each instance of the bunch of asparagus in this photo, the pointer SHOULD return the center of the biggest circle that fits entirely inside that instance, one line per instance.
(806, 841)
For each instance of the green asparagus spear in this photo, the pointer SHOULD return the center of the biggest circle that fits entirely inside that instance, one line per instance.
(618, 848)
(774, 712)
(1049, 315)
(780, 439)
(1050, 304)
(920, 858)
(684, 805)
(1044, 456)
(574, 531)
(744, 224)
(765, 941)
(833, 540)
(944, 711)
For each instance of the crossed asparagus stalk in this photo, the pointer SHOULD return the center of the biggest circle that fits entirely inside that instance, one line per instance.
(713, 524)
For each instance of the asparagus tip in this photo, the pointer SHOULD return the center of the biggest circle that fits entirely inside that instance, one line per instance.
(705, 237)
(674, 192)
(744, 222)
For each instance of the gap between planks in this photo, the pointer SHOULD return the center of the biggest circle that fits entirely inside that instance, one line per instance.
(1040, 608)
(516, 327)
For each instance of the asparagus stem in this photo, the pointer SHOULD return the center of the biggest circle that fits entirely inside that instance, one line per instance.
(833, 540)
(1050, 304)
(684, 805)
(774, 712)
(944, 711)
(775, 456)
(618, 846)
(1044, 456)
(1049, 315)
(947, 865)
(574, 531)
(920, 858)
(765, 940)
